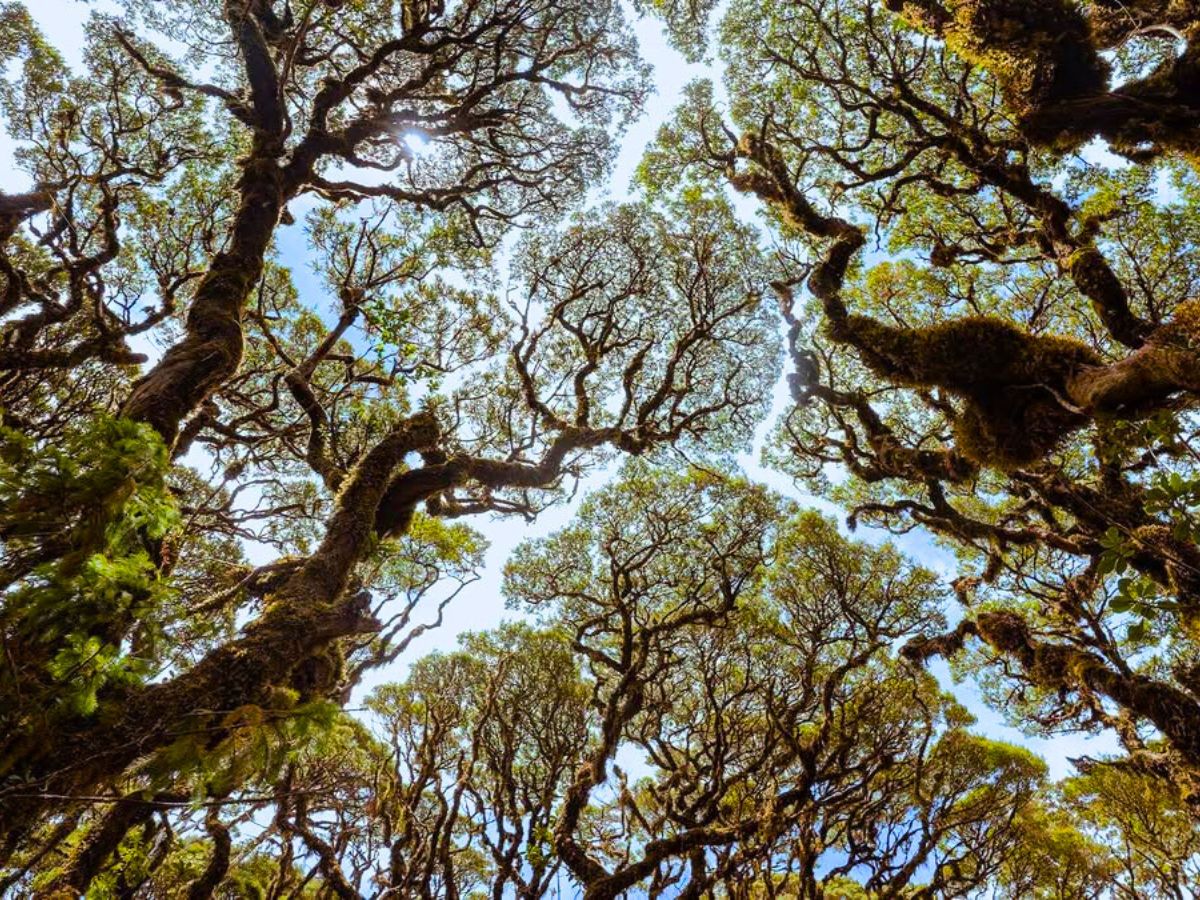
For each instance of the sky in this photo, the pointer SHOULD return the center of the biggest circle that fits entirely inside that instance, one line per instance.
(480, 605)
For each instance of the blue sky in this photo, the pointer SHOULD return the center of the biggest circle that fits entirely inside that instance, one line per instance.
(480, 605)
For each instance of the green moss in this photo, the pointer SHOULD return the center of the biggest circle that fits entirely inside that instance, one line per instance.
(1012, 382)
(1040, 52)
(319, 675)
(975, 353)
(1008, 435)
(1183, 330)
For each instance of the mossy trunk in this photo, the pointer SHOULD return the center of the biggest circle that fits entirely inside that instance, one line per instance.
(1024, 393)
(1169, 362)
(1046, 57)
(1058, 667)
(310, 612)
(211, 349)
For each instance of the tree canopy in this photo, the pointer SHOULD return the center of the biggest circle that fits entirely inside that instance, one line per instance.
(294, 291)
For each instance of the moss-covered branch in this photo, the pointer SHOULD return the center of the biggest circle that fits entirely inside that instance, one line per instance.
(1047, 60)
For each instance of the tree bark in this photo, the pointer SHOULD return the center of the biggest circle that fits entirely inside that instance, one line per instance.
(211, 349)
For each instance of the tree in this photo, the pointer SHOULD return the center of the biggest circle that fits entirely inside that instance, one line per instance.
(1000, 340)
(683, 722)
(1150, 834)
(140, 642)
(778, 728)
(229, 489)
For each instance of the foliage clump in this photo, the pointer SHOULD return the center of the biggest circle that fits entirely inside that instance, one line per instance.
(86, 524)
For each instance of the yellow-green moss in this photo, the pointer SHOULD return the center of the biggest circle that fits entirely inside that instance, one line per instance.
(1040, 51)
(1183, 330)
(967, 354)
(1013, 382)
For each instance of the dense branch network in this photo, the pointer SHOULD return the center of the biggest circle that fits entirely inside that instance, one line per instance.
(230, 489)
(1020, 376)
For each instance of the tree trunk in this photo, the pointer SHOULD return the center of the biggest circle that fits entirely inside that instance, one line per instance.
(211, 350)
